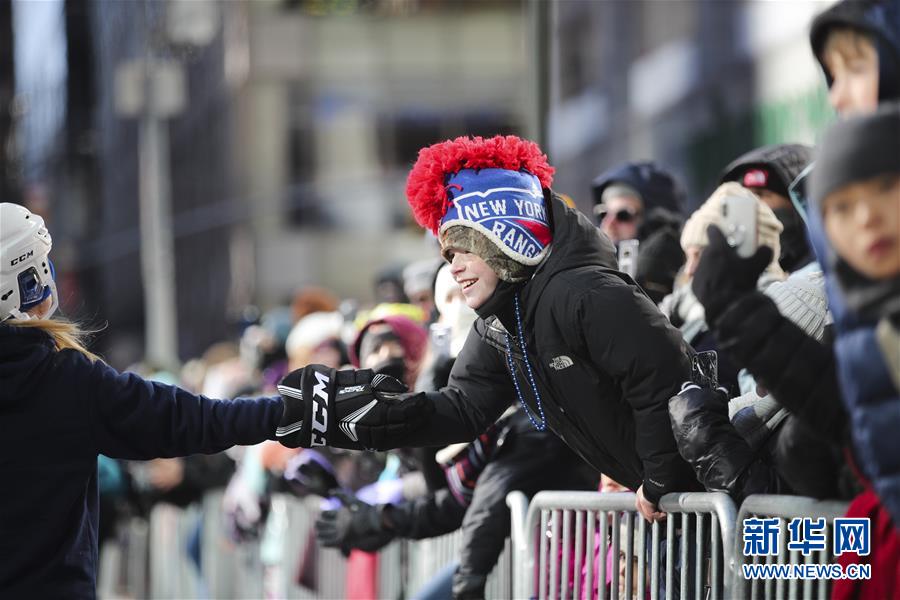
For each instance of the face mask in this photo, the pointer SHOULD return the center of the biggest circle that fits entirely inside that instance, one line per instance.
(795, 250)
(393, 367)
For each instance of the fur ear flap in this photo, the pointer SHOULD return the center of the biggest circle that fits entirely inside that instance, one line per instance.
(426, 184)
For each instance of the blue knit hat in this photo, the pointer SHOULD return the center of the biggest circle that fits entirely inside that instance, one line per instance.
(505, 206)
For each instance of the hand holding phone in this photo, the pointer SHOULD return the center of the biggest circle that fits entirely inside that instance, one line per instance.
(628, 257)
(739, 224)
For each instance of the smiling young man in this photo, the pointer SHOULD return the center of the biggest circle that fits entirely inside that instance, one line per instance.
(560, 330)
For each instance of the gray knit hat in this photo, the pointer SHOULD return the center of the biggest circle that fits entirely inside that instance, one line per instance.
(801, 298)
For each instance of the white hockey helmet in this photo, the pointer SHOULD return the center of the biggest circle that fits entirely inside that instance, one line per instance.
(26, 273)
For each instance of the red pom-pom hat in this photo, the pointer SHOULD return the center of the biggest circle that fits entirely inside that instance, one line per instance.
(491, 185)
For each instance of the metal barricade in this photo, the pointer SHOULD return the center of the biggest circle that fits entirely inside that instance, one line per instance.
(429, 556)
(591, 545)
(785, 508)
(150, 560)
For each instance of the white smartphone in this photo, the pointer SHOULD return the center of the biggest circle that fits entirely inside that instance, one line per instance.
(628, 257)
(739, 219)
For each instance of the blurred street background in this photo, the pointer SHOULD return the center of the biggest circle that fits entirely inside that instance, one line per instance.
(216, 156)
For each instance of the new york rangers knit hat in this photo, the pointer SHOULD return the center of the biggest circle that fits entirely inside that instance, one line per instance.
(493, 186)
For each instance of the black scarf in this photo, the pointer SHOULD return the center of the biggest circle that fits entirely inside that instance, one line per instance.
(870, 299)
(500, 304)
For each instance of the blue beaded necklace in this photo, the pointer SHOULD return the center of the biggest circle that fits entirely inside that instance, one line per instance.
(541, 424)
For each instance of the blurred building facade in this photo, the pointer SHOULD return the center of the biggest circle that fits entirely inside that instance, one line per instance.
(336, 98)
(689, 83)
(287, 161)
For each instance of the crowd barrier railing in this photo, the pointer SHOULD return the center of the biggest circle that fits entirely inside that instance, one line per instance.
(577, 544)
(563, 545)
(150, 558)
(785, 509)
(590, 545)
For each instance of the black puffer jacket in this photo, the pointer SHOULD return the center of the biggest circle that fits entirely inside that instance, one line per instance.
(604, 359)
(791, 459)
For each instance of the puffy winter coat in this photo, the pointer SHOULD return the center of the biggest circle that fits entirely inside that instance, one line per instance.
(868, 390)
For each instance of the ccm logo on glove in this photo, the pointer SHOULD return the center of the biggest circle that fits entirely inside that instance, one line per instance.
(320, 410)
(347, 409)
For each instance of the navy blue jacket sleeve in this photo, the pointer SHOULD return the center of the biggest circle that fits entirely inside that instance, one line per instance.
(133, 418)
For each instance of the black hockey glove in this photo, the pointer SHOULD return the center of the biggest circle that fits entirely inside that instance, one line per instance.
(354, 409)
(355, 525)
(723, 277)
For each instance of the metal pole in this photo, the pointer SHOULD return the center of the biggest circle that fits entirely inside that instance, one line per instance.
(157, 264)
(541, 18)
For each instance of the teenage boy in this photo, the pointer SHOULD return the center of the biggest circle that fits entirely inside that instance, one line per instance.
(855, 224)
(577, 343)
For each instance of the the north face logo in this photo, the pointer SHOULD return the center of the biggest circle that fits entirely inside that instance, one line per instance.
(561, 362)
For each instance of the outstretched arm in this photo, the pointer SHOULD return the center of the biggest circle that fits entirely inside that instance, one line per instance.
(364, 411)
(133, 418)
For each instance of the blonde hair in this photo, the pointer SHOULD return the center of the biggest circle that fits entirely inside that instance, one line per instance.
(66, 335)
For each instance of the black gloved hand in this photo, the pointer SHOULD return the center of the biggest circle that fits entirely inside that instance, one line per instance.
(354, 525)
(706, 438)
(722, 276)
(317, 478)
(354, 409)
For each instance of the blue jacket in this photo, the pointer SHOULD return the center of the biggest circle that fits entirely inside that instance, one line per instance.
(58, 411)
(869, 394)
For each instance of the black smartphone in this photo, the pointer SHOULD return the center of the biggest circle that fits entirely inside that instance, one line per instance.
(705, 369)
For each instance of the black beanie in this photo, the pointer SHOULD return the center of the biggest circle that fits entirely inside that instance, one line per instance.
(857, 149)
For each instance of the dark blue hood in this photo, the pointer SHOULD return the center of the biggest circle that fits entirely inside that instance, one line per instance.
(657, 187)
(852, 150)
(879, 19)
(22, 351)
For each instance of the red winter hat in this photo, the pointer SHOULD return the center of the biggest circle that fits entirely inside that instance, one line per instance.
(427, 184)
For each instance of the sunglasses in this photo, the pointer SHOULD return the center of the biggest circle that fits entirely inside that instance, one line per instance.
(623, 215)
